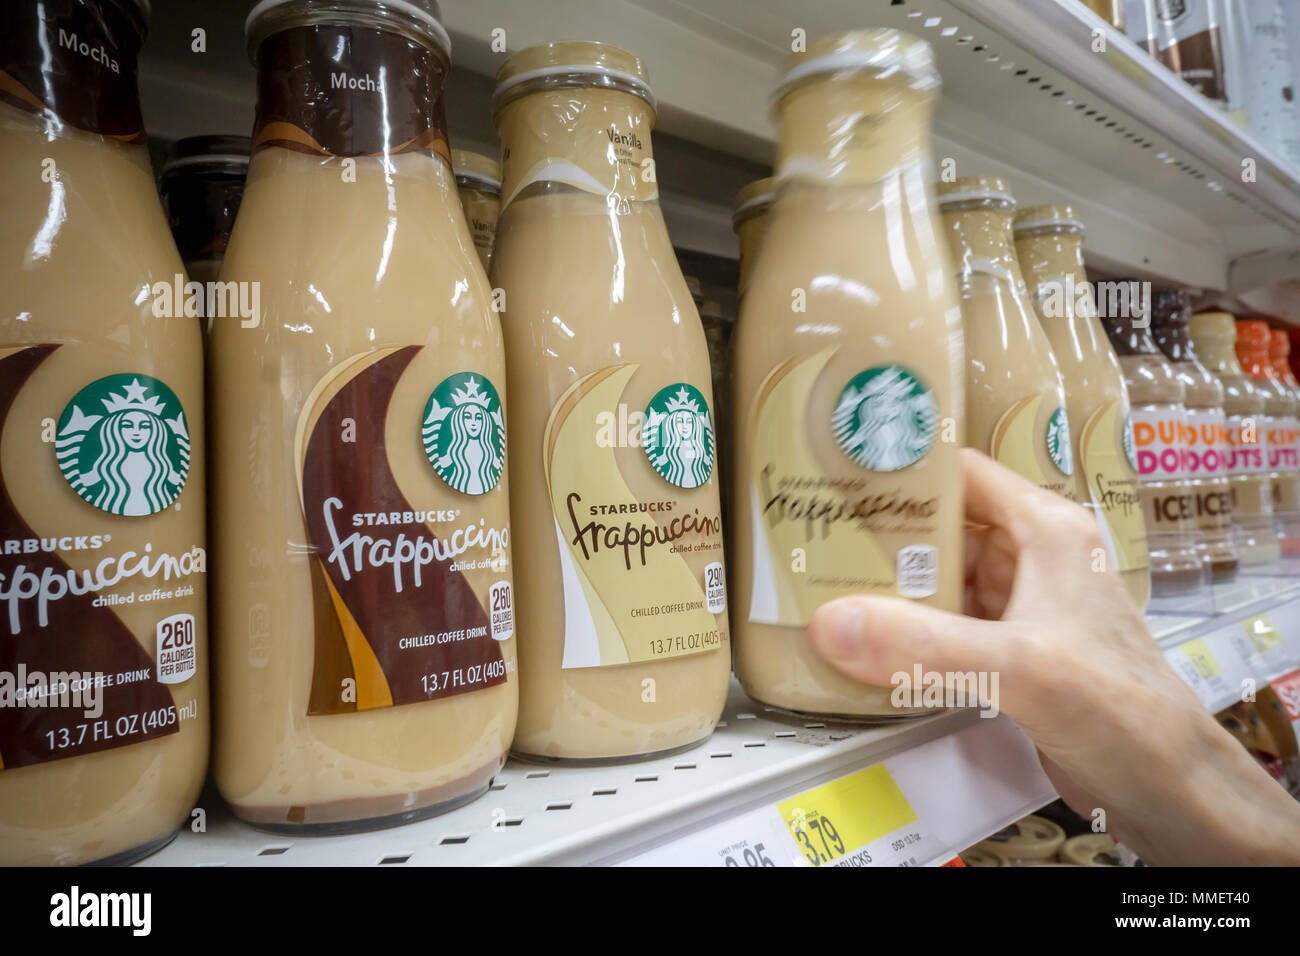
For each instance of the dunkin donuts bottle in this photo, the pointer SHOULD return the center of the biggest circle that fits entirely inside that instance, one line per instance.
(624, 649)
(848, 410)
(1214, 336)
(365, 654)
(1278, 432)
(1015, 402)
(753, 203)
(103, 640)
(1279, 353)
(478, 180)
(1049, 246)
(1207, 440)
(1179, 558)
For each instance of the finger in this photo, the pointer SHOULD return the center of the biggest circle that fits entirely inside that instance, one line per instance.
(872, 638)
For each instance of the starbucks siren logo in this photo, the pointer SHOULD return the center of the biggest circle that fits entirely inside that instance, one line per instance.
(1130, 446)
(678, 435)
(886, 419)
(464, 433)
(123, 445)
(1058, 441)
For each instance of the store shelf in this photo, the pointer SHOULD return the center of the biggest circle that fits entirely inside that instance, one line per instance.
(1153, 168)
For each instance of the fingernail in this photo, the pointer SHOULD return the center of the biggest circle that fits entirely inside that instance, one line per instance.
(838, 629)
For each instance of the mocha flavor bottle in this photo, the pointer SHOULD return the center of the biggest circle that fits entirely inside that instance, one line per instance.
(1177, 549)
(1015, 402)
(1207, 437)
(623, 642)
(1049, 246)
(848, 416)
(103, 569)
(365, 652)
(1214, 336)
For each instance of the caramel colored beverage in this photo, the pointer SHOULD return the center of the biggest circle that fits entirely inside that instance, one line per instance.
(103, 653)
(1278, 434)
(1049, 247)
(478, 180)
(1206, 459)
(848, 375)
(753, 203)
(1214, 336)
(1161, 444)
(1015, 402)
(365, 656)
(1279, 353)
(624, 646)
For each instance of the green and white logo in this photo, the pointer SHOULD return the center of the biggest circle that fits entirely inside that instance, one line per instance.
(678, 435)
(886, 419)
(123, 444)
(1058, 441)
(464, 433)
(1130, 445)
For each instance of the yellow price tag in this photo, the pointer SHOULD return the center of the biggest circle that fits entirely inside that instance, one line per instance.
(1262, 633)
(844, 815)
(1202, 659)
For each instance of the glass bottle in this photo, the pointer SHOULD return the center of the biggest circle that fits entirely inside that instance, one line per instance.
(624, 646)
(478, 180)
(848, 371)
(1277, 433)
(364, 615)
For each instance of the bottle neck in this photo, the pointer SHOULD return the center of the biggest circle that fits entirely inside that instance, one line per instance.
(1052, 263)
(72, 63)
(980, 242)
(851, 131)
(593, 140)
(1256, 363)
(348, 90)
(1219, 355)
(1175, 340)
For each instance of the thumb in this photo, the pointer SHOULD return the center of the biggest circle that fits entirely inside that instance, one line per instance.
(872, 638)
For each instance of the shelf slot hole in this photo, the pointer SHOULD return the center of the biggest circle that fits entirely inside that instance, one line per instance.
(720, 755)
(784, 733)
(684, 766)
(272, 850)
(391, 860)
(755, 743)
(559, 806)
(603, 793)
(813, 726)
(647, 779)
(538, 774)
(454, 840)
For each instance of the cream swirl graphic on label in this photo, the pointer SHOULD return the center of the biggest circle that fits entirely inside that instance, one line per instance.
(678, 435)
(464, 433)
(885, 418)
(123, 445)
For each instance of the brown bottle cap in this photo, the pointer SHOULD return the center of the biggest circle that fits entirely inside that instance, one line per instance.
(974, 189)
(1058, 217)
(882, 53)
(571, 65)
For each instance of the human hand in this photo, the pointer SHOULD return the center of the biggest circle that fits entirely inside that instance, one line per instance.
(1078, 671)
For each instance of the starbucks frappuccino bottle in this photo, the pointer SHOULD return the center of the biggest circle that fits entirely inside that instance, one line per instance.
(1207, 439)
(753, 203)
(365, 655)
(478, 180)
(1214, 336)
(624, 646)
(1015, 402)
(103, 645)
(1177, 550)
(848, 406)
(1278, 432)
(1049, 246)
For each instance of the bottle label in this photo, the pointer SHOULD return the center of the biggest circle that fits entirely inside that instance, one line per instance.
(629, 558)
(72, 63)
(1035, 444)
(103, 627)
(1207, 443)
(601, 147)
(1112, 485)
(1187, 40)
(347, 90)
(412, 594)
(826, 530)
(1282, 452)
(1161, 438)
(1248, 446)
